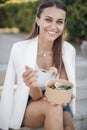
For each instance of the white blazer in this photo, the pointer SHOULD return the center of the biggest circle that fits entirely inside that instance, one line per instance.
(13, 103)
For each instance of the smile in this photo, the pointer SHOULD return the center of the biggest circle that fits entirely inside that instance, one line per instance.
(51, 32)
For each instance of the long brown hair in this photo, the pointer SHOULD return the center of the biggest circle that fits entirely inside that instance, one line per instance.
(57, 45)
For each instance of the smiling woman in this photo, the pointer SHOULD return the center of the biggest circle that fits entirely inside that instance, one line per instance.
(51, 22)
(33, 62)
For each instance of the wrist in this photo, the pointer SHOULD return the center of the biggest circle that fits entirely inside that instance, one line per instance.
(36, 93)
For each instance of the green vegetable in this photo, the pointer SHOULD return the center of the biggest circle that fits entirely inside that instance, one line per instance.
(65, 87)
(53, 87)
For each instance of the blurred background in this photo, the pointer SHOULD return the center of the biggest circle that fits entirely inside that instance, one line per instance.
(18, 16)
(16, 21)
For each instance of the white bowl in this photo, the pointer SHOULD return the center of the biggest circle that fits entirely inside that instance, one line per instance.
(58, 96)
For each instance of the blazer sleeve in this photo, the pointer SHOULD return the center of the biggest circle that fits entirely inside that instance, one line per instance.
(7, 95)
(69, 55)
(13, 102)
(73, 103)
(22, 91)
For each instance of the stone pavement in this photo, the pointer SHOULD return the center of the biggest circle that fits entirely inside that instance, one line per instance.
(80, 120)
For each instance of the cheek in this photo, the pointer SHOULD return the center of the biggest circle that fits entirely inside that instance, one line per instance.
(61, 28)
(45, 24)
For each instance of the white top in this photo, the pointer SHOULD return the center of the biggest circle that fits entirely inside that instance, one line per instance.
(43, 76)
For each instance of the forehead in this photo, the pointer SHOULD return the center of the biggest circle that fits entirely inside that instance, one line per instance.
(53, 12)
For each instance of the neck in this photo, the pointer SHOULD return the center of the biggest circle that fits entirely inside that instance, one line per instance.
(44, 44)
(44, 47)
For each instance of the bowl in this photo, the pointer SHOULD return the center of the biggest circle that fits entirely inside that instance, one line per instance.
(57, 95)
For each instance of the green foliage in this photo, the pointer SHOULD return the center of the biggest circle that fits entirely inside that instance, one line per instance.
(21, 14)
(76, 19)
(3, 1)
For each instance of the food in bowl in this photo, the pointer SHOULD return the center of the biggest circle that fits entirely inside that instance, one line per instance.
(60, 86)
(59, 91)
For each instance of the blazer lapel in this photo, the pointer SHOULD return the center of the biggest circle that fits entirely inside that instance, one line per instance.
(31, 54)
(68, 60)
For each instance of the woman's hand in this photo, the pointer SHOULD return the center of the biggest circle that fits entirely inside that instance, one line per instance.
(30, 79)
(72, 96)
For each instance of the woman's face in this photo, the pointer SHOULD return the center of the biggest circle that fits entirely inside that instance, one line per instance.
(51, 23)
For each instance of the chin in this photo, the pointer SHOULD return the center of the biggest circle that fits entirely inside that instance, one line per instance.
(52, 39)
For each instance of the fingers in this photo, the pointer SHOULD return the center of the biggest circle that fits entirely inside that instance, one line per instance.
(53, 104)
(64, 104)
(72, 96)
(54, 70)
(27, 67)
(27, 71)
(30, 77)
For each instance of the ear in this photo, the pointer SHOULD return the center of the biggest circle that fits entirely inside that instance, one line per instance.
(37, 21)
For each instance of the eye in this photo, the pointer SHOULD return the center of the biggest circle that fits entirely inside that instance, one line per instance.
(48, 20)
(60, 22)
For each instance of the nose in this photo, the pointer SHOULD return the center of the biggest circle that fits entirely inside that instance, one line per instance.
(53, 25)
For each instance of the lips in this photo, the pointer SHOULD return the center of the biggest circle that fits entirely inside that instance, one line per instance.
(52, 32)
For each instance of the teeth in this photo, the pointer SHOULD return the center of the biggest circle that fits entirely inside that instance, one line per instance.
(51, 32)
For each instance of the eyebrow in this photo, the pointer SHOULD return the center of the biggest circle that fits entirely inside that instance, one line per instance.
(61, 19)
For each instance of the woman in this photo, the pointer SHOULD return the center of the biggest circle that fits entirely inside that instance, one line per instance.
(33, 62)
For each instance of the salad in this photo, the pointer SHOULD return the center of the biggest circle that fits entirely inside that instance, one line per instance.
(59, 86)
